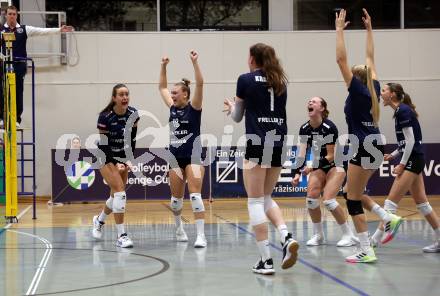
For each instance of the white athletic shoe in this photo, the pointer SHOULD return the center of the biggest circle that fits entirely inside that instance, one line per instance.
(362, 256)
(347, 241)
(434, 248)
(181, 235)
(97, 228)
(316, 240)
(200, 241)
(124, 241)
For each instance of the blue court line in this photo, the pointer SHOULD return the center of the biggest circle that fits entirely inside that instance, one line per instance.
(315, 268)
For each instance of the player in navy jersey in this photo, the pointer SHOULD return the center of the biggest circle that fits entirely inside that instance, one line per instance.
(320, 134)
(362, 116)
(117, 119)
(185, 147)
(409, 170)
(261, 97)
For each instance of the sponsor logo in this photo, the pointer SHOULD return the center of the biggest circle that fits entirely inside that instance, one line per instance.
(227, 172)
(80, 175)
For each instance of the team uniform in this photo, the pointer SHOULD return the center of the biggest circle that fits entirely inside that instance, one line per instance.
(405, 117)
(113, 125)
(265, 121)
(359, 119)
(266, 130)
(186, 148)
(407, 128)
(360, 124)
(328, 132)
(185, 144)
(310, 136)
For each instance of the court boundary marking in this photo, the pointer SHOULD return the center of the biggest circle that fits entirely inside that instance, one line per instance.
(43, 263)
(315, 268)
(165, 267)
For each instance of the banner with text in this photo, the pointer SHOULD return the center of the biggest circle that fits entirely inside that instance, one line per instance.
(78, 181)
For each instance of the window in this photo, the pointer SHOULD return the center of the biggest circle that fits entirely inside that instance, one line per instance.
(106, 15)
(422, 14)
(214, 14)
(320, 14)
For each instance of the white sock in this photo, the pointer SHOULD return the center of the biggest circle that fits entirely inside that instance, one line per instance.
(200, 226)
(283, 232)
(363, 239)
(437, 234)
(263, 247)
(377, 236)
(120, 228)
(384, 216)
(346, 230)
(178, 220)
(102, 217)
(317, 228)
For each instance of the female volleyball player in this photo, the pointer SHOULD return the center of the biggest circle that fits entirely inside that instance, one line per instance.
(112, 127)
(261, 96)
(362, 116)
(185, 147)
(326, 177)
(409, 170)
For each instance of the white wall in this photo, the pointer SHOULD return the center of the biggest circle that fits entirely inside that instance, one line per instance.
(69, 98)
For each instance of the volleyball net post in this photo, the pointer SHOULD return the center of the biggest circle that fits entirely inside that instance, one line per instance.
(10, 130)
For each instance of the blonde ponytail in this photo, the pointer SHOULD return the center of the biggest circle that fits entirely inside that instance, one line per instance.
(375, 109)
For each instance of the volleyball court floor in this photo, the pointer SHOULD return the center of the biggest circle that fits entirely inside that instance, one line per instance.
(56, 255)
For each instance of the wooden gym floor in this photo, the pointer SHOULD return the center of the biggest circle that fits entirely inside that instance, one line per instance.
(55, 254)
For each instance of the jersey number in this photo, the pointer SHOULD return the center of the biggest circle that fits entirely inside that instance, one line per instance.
(272, 98)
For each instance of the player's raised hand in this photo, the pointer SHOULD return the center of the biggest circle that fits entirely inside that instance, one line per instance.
(340, 22)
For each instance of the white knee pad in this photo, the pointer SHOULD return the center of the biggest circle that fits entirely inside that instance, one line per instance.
(390, 206)
(197, 202)
(119, 202)
(109, 203)
(269, 203)
(424, 208)
(331, 204)
(312, 203)
(176, 204)
(256, 211)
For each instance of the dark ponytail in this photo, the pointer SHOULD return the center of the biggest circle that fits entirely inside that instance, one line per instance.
(407, 100)
(402, 96)
(325, 113)
(111, 104)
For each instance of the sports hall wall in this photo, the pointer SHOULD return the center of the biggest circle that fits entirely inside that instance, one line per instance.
(69, 97)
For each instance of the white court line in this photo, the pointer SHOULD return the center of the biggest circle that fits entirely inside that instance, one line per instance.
(42, 266)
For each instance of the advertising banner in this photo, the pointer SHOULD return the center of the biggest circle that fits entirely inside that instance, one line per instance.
(77, 181)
